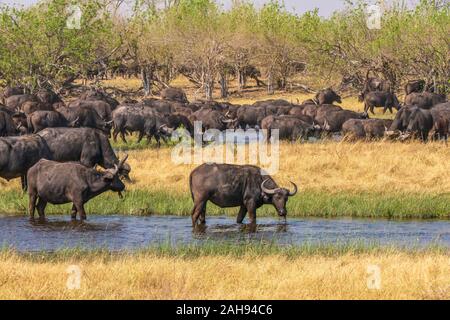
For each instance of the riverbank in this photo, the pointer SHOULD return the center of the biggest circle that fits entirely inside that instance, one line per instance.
(246, 272)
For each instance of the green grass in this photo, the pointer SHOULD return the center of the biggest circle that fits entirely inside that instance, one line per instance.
(311, 203)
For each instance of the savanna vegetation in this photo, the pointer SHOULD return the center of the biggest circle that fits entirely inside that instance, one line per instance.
(157, 41)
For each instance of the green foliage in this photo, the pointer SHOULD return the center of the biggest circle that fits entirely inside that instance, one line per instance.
(37, 47)
(202, 40)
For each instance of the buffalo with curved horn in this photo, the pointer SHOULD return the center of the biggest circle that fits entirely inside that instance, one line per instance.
(228, 185)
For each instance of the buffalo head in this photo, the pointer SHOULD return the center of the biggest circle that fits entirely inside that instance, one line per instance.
(278, 197)
(112, 177)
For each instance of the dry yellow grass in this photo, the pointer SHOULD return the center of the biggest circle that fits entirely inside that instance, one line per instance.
(352, 167)
(332, 167)
(403, 276)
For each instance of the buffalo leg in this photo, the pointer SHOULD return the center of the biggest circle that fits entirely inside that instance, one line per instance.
(41, 208)
(74, 213)
(79, 205)
(23, 180)
(241, 214)
(199, 209)
(115, 134)
(32, 205)
(122, 135)
(366, 107)
(251, 208)
(141, 135)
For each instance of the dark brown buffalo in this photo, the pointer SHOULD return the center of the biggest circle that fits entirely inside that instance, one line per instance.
(48, 96)
(365, 128)
(7, 126)
(59, 183)
(425, 100)
(18, 154)
(250, 116)
(327, 96)
(10, 91)
(441, 120)
(146, 121)
(174, 94)
(212, 119)
(86, 117)
(415, 86)
(334, 119)
(85, 145)
(374, 84)
(420, 124)
(314, 111)
(290, 128)
(29, 107)
(232, 186)
(14, 103)
(98, 94)
(102, 108)
(39, 120)
(380, 99)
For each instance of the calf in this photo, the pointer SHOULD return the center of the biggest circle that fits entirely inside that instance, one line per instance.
(59, 183)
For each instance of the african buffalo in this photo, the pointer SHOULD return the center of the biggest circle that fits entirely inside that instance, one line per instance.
(18, 154)
(48, 96)
(162, 106)
(86, 145)
(415, 86)
(29, 107)
(145, 121)
(86, 117)
(59, 183)
(7, 126)
(39, 120)
(384, 99)
(102, 108)
(327, 96)
(289, 127)
(334, 119)
(97, 94)
(174, 94)
(231, 186)
(213, 119)
(374, 84)
(15, 102)
(441, 120)
(365, 128)
(250, 116)
(425, 100)
(10, 91)
(315, 111)
(420, 124)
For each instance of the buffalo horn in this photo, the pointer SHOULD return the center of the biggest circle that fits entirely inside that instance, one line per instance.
(265, 190)
(121, 163)
(291, 194)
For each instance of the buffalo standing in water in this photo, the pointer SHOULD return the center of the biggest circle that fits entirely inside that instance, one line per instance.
(232, 186)
(59, 183)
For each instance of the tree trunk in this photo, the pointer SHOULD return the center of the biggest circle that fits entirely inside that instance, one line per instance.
(270, 84)
(147, 76)
(239, 78)
(223, 86)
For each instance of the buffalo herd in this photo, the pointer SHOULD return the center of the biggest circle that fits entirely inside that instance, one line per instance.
(54, 145)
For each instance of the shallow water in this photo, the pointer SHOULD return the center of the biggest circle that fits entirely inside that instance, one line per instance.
(120, 232)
